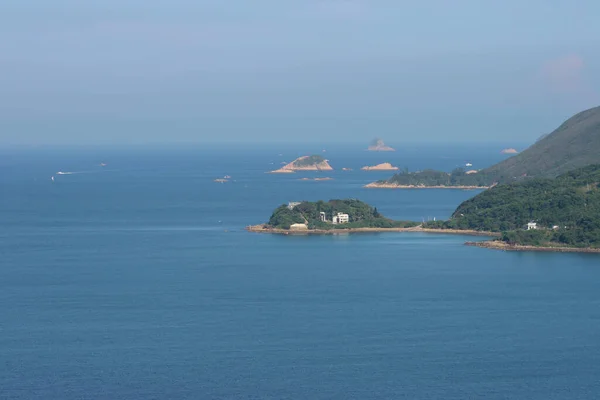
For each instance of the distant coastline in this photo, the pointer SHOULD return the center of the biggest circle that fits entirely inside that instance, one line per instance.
(500, 245)
(486, 244)
(380, 185)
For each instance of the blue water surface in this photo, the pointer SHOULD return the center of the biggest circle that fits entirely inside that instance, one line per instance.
(136, 280)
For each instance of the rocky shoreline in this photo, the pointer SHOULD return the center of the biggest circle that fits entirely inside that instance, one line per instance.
(377, 185)
(487, 244)
(262, 228)
(500, 245)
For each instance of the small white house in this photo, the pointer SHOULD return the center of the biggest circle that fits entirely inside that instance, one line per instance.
(340, 218)
(531, 226)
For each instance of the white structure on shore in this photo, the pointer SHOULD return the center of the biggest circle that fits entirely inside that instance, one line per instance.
(340, 218)
(531, 226)
(322, 216)
(298, 227)
(293, 204)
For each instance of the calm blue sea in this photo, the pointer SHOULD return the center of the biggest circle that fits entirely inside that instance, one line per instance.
(137, 281)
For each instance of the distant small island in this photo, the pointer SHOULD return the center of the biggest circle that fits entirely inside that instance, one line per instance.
(379, 145)
(327, 216)
(305, 163)
(509, 151)
(380, 167)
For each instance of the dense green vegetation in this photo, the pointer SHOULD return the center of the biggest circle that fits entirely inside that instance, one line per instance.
(430, 177)
(566, 210)
(310, 160)
(361, 215)
(575, 144)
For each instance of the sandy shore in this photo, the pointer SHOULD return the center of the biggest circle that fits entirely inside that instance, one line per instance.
(499, 245)
(377, 185)
(380, 167)
(264, 229)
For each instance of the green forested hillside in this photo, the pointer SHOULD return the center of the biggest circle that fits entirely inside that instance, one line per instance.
(307, 161)
(574, 144)
(431, 177)
(566, 209)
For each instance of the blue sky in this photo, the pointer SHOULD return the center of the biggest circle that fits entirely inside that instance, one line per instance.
(134, 71)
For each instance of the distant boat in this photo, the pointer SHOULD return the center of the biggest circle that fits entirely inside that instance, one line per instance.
(227, 177)
(52, 179)
(468, 165)
(102, 164)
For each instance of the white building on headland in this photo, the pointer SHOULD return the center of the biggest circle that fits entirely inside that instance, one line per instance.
(322, 216)
(340, 218)
(531, 225)
(293, 204)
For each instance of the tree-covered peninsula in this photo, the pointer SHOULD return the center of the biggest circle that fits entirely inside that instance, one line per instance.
(333, 214)
(563, 211)
(458, 178)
